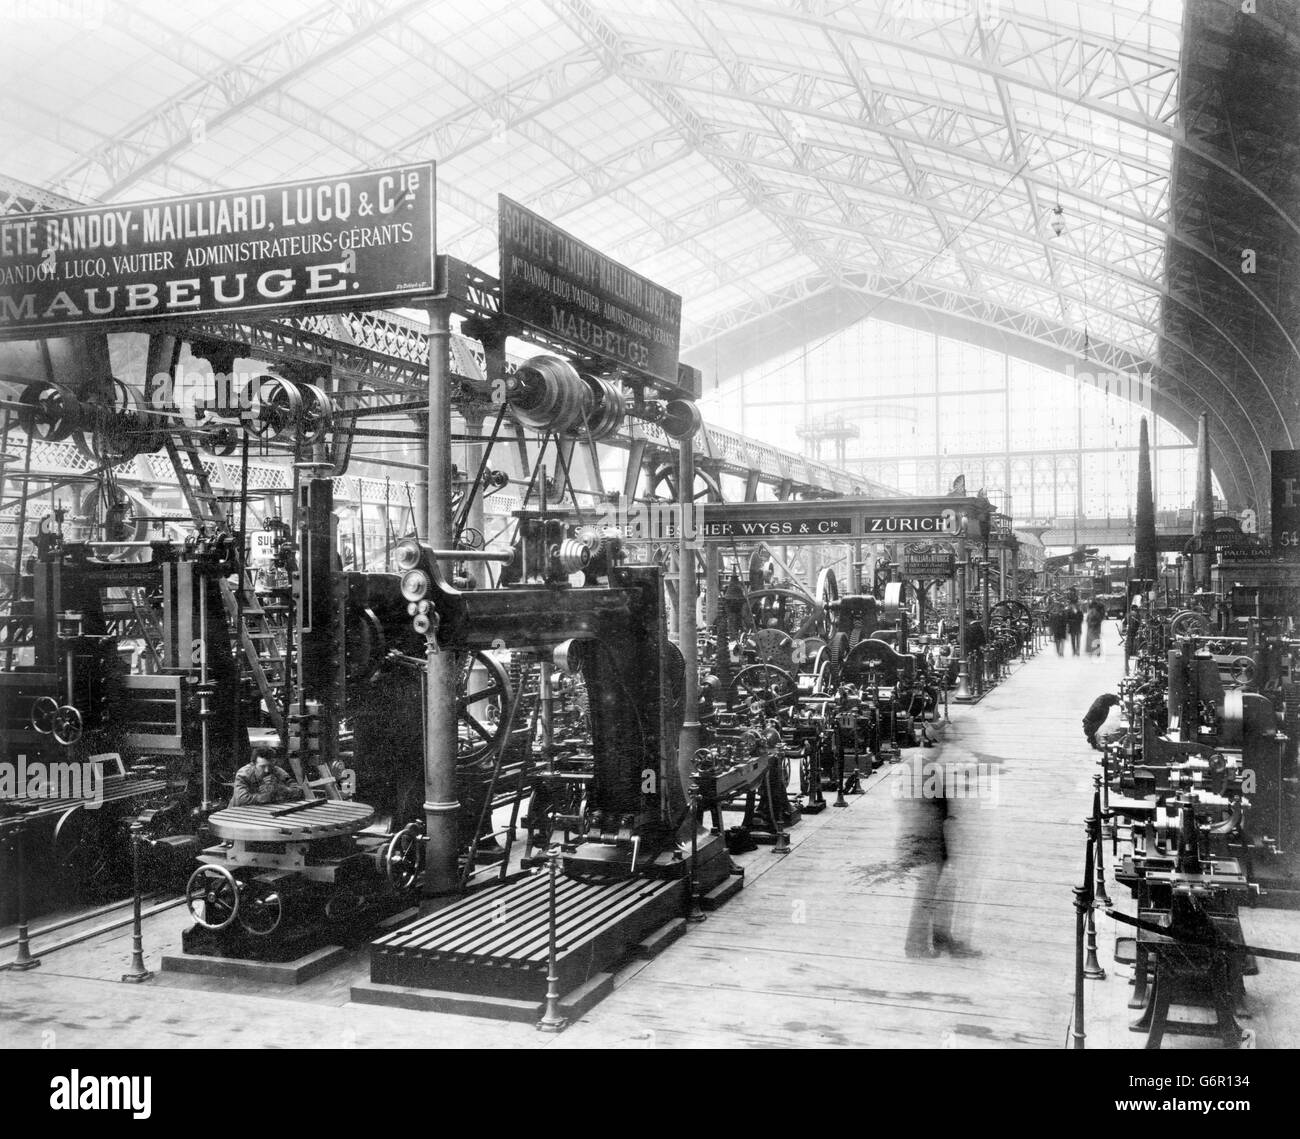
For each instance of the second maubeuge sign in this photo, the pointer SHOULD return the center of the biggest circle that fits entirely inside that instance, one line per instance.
(570, 292)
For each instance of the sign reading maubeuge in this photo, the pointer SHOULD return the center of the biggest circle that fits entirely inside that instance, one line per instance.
(565, 289)
(349, 242)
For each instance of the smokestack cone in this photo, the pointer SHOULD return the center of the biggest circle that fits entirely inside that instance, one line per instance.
(1144, 560)
(1203, 511)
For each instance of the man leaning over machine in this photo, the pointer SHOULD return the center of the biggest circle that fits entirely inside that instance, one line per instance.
(263, 782)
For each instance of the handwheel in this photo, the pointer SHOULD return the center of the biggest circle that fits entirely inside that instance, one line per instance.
(261, 909)
(771, 646)
(827, 593)
(1242, 670)
(548, 801)
(212, 897)
(792, 611)
(806, 771)
(477, 740)
(767, 681)
(67, 725)
(44, 711)
(1188, 623)
(402, 858)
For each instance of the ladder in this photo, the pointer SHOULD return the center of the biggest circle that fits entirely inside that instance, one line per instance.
(254, 632)
(150, 631)
(302, 752)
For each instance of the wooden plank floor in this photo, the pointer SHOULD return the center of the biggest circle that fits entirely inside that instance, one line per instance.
(811, 952)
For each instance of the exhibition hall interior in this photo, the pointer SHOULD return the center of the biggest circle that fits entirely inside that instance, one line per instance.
(649, 524)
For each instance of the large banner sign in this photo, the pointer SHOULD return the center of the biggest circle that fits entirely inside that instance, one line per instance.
(1286, 503)
(352, 242)
(567, 290)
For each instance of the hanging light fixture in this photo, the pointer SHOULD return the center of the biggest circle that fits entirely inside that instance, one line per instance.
(1058, 219)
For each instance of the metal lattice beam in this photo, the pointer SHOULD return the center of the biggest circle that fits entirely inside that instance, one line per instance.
(1033, 66)
(595, 30)
(222, 94)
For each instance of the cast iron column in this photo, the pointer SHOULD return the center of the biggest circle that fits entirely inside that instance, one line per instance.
(441, 807)
(689, 740)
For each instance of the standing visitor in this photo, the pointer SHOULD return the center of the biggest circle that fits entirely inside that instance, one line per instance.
(1074, 624)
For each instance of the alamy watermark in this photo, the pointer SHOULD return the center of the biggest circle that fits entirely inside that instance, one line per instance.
(39, 780)
(1135, 386)
(86, 13)
(651, 521)
(954, 779)
(941, 11)
(75, 1092)
(201, 397)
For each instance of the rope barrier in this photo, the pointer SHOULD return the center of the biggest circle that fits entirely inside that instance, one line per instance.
(1225, 946)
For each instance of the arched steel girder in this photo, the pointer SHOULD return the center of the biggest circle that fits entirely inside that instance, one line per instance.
(1153, 126)
(1020, 238)
(778, 117)
(1157, 330)
(399, 34)
(994, 122)
(1161, 368)
(372, 154)
(593, 29)
(1241, 473)
(1184, 418)
(646, 146)
(416, 45)
(290, 60)
(1207, 254)
(1009, 336)
(1230, 429)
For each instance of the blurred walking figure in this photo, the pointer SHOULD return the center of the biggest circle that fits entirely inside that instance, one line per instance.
(1074, 623)
(1056, 626)
(923, 845)
(1096, 615)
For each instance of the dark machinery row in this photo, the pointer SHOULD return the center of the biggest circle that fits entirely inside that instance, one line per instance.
(1201, 798)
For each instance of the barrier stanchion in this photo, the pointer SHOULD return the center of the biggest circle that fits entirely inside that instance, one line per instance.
(1082, 905)
(1100, 891)
(1092, 967)
(838, 737)
(1105, 802)
(551, 1020)
(782, 843)
(963, 690)
(24, 960)
(138, 972)
(694, 913)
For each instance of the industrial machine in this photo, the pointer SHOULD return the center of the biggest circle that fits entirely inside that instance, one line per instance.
(283, 876)
(1208, 719)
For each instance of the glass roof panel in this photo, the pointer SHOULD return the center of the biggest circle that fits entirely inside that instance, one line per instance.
(767, 138)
